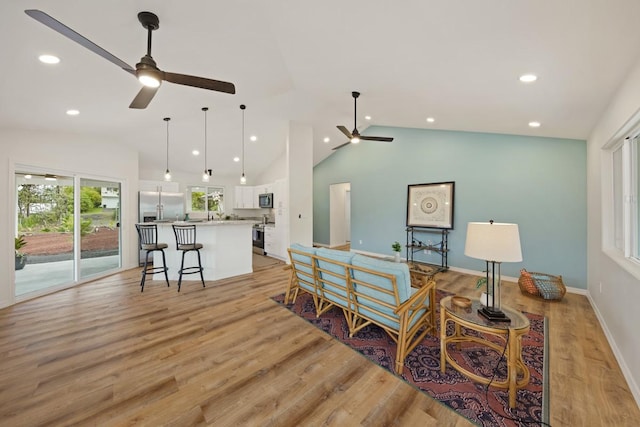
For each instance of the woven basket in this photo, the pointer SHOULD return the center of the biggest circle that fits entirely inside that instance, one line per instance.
(541, 285)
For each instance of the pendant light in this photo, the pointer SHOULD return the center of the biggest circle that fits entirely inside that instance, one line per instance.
(243, 179)
(167, 174)
(207, 172)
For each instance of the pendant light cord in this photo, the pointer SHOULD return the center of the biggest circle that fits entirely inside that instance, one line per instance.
(243, 107)
(166, 119)
(205, 138)
(243, 141)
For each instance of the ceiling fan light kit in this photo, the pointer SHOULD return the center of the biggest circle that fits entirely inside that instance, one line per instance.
(146, 71)
(354, 136)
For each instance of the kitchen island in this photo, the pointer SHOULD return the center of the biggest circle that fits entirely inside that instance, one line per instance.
(226, 249)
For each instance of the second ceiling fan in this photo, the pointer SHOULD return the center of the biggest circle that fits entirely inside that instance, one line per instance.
(146, 70)
(354, 136)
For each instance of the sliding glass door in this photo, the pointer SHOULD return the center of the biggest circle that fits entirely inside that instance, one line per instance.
(67, 229)
(99, 226)
(44, 236)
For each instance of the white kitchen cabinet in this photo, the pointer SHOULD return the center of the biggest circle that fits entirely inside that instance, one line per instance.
(272, 242)
(249, 198)
(245, 198)
(280, 194)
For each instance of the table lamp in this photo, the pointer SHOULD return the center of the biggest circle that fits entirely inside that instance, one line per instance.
(495, 243)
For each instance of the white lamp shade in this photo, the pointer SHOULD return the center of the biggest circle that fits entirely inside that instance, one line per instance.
(493, 241)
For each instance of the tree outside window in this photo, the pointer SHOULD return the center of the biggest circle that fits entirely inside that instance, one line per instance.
(207, 199)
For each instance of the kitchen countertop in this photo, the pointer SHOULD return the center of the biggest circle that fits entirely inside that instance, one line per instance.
(207, 223)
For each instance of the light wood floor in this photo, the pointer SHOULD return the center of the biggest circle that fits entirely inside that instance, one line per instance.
(105, 354)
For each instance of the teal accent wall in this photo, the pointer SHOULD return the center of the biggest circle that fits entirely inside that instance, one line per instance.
(538, 183)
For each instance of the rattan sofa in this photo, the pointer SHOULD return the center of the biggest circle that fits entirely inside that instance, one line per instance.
(368, 290)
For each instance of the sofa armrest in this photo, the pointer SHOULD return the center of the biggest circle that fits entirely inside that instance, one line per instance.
(418, 299)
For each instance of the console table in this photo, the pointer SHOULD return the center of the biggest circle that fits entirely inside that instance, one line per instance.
(439, 249)
(511, 333)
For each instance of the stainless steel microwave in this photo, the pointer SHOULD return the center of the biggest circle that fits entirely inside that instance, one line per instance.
(265, 200)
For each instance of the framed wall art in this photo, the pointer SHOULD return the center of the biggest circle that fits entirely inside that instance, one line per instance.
(430, 205)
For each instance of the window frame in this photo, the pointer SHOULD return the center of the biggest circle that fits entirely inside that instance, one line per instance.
(621, 216)
(207, 187)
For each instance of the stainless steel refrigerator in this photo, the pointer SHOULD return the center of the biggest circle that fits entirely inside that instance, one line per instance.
(154, 205)
(159, 206)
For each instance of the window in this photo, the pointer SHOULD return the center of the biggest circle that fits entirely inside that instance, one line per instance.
(206, 199)
(625, 187)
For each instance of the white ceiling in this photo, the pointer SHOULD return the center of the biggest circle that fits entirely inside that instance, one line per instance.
(456, 60)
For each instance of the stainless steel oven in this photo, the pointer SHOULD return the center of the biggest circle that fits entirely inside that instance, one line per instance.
(258, 238)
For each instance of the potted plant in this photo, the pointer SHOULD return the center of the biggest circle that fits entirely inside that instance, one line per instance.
(21, 259)
(396, 248)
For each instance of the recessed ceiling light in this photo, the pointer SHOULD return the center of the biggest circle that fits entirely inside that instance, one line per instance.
(528, 78)
(27, 176)
(49, 59)
(367, 117)
(73, 112)
(236, 159)
(253, 138)
(430, 119)
(326, 139)
(195, 152)
(534, 124)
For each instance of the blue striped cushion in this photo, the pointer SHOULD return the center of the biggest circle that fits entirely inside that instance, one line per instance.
(334, 255)
(306, 259)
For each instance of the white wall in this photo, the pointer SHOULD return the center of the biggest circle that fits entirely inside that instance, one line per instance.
(613, 283)
(276, 170)
(71, 155)
(300, 179)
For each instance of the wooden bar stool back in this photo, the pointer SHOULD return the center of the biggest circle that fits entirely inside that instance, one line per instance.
(148, 237)
(186, 242)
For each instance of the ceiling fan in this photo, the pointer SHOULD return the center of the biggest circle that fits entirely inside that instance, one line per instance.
(354, 136)
(146, 70)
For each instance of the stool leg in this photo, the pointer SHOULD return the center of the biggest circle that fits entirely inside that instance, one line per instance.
(181, 268)
(200, 266)
(164, 264)
(144, 271)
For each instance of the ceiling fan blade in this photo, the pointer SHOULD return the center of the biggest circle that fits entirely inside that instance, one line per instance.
(340, 146)
(59, 27)
(201, 82)
(144, 97)
(345, 131)
(376, 138)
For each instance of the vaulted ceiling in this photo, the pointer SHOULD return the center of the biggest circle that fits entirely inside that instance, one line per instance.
(457, 61)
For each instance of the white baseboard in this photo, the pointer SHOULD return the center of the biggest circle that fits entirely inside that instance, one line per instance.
(633, 386)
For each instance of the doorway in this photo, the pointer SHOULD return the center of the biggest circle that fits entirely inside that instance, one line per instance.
(339, 214)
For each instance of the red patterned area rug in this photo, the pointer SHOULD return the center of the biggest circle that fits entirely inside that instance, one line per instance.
(422, 367)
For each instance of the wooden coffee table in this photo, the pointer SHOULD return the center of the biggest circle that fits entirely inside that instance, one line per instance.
(511, 333)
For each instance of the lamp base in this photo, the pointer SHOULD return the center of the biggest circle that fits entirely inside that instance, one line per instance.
(493, 315)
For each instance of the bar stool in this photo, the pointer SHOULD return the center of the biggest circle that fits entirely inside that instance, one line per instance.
(186, 242)
(148, 236)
